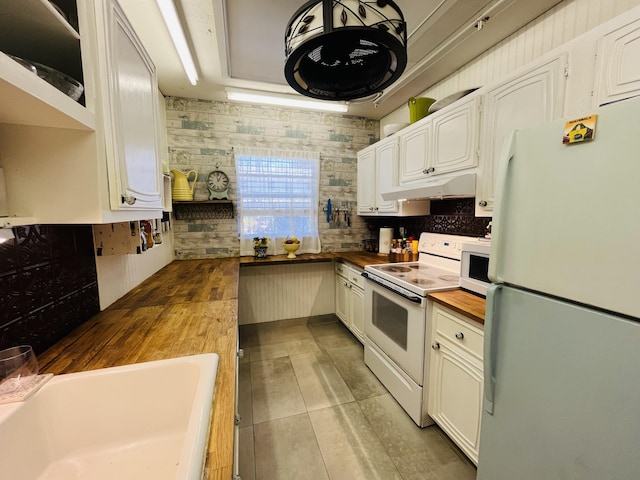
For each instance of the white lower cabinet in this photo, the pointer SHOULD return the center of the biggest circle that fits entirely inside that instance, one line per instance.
(349, 307)
(456, 377)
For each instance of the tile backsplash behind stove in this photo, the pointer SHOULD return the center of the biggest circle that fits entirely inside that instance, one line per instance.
(451, 216)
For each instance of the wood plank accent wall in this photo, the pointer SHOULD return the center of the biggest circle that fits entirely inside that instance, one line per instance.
(277, 292)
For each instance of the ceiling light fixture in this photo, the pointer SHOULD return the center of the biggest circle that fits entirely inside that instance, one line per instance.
(283, 100)
(345, 49)
(170, 15)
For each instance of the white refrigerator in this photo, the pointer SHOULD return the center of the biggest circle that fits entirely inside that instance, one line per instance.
(562, 328)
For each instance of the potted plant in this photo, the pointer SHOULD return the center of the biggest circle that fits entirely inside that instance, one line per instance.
(260, 245)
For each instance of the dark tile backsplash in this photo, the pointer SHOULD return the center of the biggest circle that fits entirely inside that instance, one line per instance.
(454, 217)
(48, 284)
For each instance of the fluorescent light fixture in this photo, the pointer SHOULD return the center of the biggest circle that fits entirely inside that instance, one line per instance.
(6, 234)
(283, 100)
(170, 15)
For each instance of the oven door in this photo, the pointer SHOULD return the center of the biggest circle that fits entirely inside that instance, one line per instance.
(396, 325)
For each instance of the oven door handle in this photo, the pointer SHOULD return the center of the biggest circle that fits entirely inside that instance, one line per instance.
(408, 297)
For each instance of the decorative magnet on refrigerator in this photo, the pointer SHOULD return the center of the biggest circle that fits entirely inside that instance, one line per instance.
(580, 130)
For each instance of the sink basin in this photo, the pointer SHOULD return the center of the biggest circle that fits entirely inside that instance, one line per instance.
(142, 421)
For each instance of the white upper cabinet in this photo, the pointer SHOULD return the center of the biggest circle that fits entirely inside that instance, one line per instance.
(386, 174)
(415, 143)
(455, 136)
(68, 161)
(130, 115)
(377, 169)
(367, 181)
(532, 97)
(377, 173)
(445, 141)
(618, 69)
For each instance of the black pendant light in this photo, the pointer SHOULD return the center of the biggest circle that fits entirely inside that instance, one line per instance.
(345, 49)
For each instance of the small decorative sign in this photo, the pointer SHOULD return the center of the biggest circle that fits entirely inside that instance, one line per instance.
(580, 130)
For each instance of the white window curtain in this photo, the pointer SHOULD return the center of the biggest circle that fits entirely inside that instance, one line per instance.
(277, 198)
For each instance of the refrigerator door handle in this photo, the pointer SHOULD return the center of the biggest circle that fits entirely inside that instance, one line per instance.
(491, 324)
(499, 206)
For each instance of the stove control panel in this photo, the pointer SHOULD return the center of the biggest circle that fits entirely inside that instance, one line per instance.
(448, 246)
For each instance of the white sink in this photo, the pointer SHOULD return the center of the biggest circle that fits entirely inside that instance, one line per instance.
(142, 421)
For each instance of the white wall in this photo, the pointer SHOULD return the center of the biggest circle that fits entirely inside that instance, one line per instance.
(118, 274)
(562, 23)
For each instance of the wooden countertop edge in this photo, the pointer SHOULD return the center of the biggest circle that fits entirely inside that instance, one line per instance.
(465, 303)
(357, 258)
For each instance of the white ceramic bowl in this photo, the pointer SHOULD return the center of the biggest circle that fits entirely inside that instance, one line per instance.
(392, 128)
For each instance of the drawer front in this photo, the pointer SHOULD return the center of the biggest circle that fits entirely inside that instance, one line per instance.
(355, 277)
(459, 332)
(342, 269)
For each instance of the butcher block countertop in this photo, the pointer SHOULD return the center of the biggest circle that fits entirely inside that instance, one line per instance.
(187, 308)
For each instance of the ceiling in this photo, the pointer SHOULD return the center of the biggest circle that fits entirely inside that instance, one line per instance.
(240, 43)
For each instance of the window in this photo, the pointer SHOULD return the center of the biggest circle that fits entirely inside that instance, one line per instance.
(277, 198)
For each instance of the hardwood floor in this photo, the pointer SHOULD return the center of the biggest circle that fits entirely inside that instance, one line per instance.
(311, 409)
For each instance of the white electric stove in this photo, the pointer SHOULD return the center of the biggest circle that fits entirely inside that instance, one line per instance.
(396, 329)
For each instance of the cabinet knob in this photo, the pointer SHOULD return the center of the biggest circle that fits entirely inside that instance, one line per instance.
(240, 353)
(370, 208)
(237, 419)
(425, 171)
(128, 199)
(430, 170)
(435, 346)
(482, 203)
(459, 335)
(376, 209)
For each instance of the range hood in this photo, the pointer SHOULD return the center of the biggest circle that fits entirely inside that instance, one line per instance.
(458, 186)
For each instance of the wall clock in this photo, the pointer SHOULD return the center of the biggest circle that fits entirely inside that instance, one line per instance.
(218, 185)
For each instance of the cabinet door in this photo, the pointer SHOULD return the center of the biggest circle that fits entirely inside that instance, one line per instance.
(455, 137)
(131, 108)
(455, 396)
(413, 157)
(618, 66)
(342, 299)
(356, 309)
(366, 181)
(531, 98)
(386, 174)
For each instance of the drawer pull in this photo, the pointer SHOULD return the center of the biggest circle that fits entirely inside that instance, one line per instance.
(459, 335)
(435, 346)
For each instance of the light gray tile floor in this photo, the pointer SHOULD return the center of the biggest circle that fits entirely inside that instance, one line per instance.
(311, 409)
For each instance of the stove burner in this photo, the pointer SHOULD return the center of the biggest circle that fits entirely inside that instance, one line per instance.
(395, 269)
(422, 281)
(449, 278)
